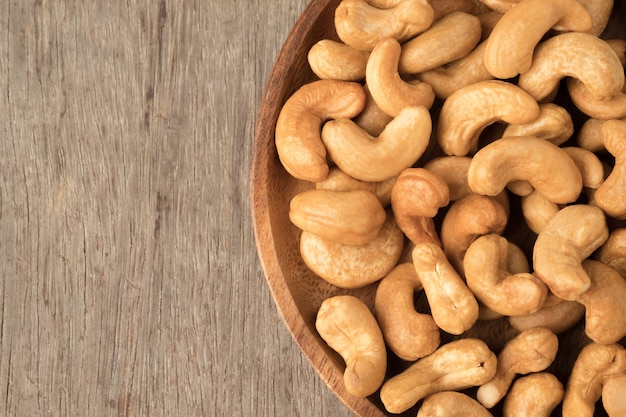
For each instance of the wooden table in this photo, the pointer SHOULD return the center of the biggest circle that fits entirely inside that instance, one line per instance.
(130, 284)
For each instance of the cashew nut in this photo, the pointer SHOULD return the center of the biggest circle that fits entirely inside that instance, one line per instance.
(390, 92)
(372, 119)
(445, 7)
(416, 198)
(363, 26)
(590, 135)
(532, 350)
(605, 316)
(570, 236)
(513, 40)
(453, 170)
(535, 395)
(611, 108)
(337, 180)
(409, 334)
(454, 366)
(619, 47)
(453, 306)
(548, 168)
(488, 277)
(613, 398)
(349, 266)
(469, 110)
(450, 38)
(500, 6)
(595, 365)
(538, 210)
(467, 219)
(348, 327)
(590, 166)
(610, 195)
(556, 314)
(599, 12)
(582, 56)
(553, 124)
(451, 404)
(332, 60)
(298, 127)
(331, 215)
(613, 252)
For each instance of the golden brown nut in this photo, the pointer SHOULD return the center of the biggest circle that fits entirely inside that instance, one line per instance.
(613, 398)
(610, 195)
(451, 404)
(337, 180)
(332, 60)
(590, 166)
(453, 170)
(538, 210)
(613, 251)
(534, 395)
(372, 119)
(613, 107)
(556, 314)
(553, 124)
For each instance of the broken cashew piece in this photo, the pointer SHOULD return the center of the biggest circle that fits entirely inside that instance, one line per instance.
(358, 154)
(409, 334)
(452, 404)
(416, 198)
(332, 60)
(534, 395)
(613, 396)
(466, 113)
(531, 351)
(610, 195)
(390, 92)
(548, 168)
(570, 236)
(613, 251)
(349, 266)
(453, 306)
(595, 365)
(513, 40)
(299, 124)
(454, 366)
(556, 314)
(348, 327)
(553, 124)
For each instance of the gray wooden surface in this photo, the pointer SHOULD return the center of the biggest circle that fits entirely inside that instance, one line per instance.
(129, 280)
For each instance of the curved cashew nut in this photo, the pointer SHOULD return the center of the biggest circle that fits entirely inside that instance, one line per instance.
(416, 198)
(553, 124)
(610, 108)
(363, 26)
(469, 110)
(570, 236)
(331, 215)
(613, 396)
(453, 306)
(556, 314)
(450, 38)
(532, 350)
(409, 334)
(449, 78)
(332, 60)
(613, 252)
(595, 365)
(366, 158)
(390, 92)
(451, 404)
(349, 328)
(467, 219)
(548, 168)
(337, 180)
(488, 277)
(349, 266)
(453, 170)
(299, 124)
(610, 195)
(590, 135)
(372, 119)
(533, 395)
(513, 40)
(605, 316)
(582, 56)
(590, 166)
(454, 366)
(538, 210)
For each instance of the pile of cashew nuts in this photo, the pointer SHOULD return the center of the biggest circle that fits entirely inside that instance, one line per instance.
(406, 79)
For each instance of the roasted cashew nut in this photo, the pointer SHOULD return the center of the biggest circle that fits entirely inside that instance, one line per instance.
(556, 314)
(605, 310)
(390, 92)
(372, 119)
(349, 266)
(445, 7)
(534, 395)
(453, 170)
(582, 56)
(595, 365)
(346, 217)
(453, 306)
(451, 404)
(448, 39)
(298, 128)
(538, 210)
(349, 328)
(337, 180)
(513, 40)
(590, 166)
(599, 12)
(613, 251)
(416, 198)
(466, 113)
(500, 6)
(610, 195)
(610, 108)
(409, 334)
(553, 124)
(358, 154)
(531, 351)
(613, 396)
(363, 26)
(488, 277)
(454, 366)
(570, 236)
(590, 135)
(548, 168)
(332, 60)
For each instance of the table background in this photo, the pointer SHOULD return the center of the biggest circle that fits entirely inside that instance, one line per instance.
(129, 280)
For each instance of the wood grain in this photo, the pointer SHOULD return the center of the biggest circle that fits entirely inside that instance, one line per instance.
(129, 279)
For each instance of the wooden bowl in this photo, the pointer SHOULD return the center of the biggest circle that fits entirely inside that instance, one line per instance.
(298, 292)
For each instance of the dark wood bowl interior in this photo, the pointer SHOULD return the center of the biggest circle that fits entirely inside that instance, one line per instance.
(297, 292)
